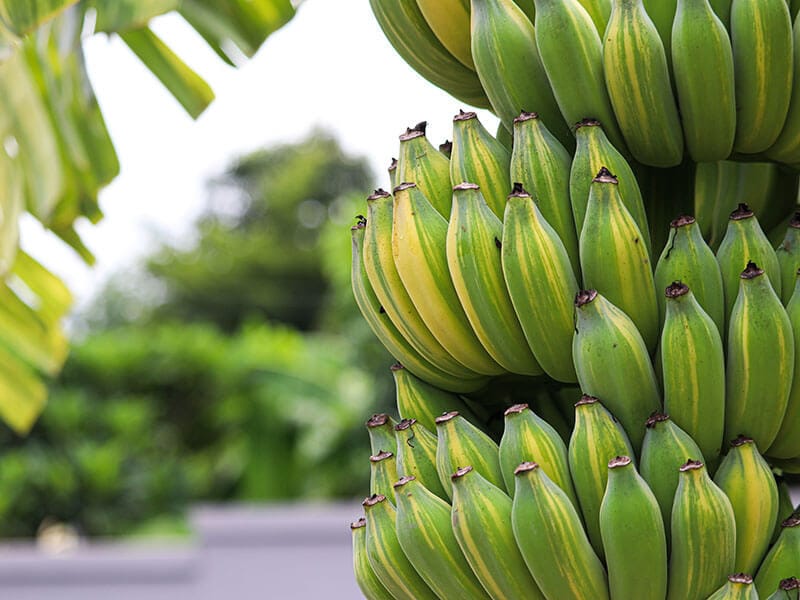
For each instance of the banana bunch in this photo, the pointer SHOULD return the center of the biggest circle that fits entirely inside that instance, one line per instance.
(580, 417)
(671, 80)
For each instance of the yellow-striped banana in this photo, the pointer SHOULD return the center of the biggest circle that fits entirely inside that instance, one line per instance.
(405, 27)
(747, 480)
(386, 557)
(666, 447)
(632, 530)
(473, 255)
(787, 442)
(460, 443)
(419, 162)
(702, 63)
(529, 438)
(416, 455)
(693, 370)
(378, 259)
(638, 83)
(761, 37)
(380, 428)
(687, 258)
(738, 587)
(541, 284)
(383, 473)
(594, 151)
(385, 330)
(542, 165)
(509, 67)
(783, 559)
(745, 242)
(481, 517)
(786, 148)
(481, 159)
(613, 364)
(553, 543)
(418, 399)
(367, 581)
(596, 439)
(449, 21)
(614, 258)
(703, 536)
(426, 536)
(760, 361)
(572, 54)
(419, 235)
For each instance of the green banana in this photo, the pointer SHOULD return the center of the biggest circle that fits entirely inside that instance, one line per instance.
(633, 535)
(787, 440)
(533, 257)
(385, 555)
(419, 162)
(788, 589)
(788, 254)
(785, 506)
(426, 536)
(405, 27)
(666, 447)
(702, 63)
(382, 273)
(479, 158)
(738, 587)
(596, 439)
(481, 518)
(542, 165)
(614, 259)
(572, 54)
(552, 541)
(384, 329)
(783, 559)
(687, 258)
(745, 242)
(383, 474)
(747, 480)
(600, 11)
(594, 151)
(638, 82)
(473, 256)
(416, 455)
(528, 437)
(380, 428)
(662, 13)
(761, 38)
(760, 361)
(460, 443)
(419, 400)
(419, 235)
(693, 370)
(703, 536)
(612, 363)
(508, 64)
(367, 581)
(449, 20)
(786, 148)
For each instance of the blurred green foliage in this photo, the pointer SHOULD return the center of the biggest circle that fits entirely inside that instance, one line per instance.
(247, 375)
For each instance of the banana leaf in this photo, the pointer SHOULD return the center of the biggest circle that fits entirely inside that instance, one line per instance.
(56, 153)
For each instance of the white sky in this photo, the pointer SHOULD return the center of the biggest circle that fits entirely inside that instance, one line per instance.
(331, 66)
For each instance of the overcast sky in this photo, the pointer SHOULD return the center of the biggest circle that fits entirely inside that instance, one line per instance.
(330, 67)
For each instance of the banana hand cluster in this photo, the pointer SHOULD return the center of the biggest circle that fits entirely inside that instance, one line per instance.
(581, 417)
(670, 80)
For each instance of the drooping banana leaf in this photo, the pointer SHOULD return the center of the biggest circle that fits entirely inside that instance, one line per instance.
(56, 154)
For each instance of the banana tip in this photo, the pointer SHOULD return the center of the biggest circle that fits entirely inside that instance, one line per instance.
(526, 467)
(656, 418)
(380, 456)
(378, 420)
(445, 417)
(682, 221)
(584, 297)
(404, 424)
(465, 116)
(742, 212)
(402, 481)
(676, 289)
(691, 465)
(460, 472)
(741, 578)
(359, 523)
(585, 400)
(515, 410)
(619, 461)
(751, 271)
